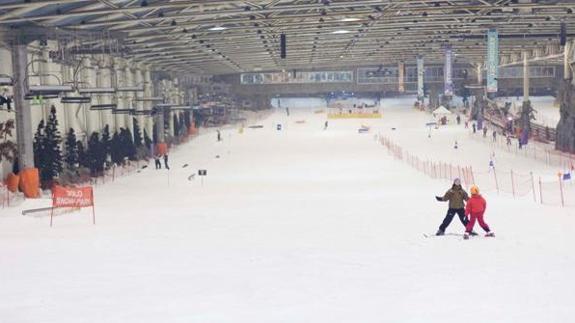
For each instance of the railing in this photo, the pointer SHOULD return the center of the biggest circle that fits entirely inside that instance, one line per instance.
(555, 189)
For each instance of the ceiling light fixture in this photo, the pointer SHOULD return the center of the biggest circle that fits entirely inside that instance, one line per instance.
(349, 19)
(340, 31)
(218, 28)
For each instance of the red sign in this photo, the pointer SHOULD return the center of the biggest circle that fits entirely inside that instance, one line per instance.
(72, 196)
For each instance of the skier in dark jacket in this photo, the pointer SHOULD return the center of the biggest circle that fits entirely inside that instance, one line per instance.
(456, 196)
(166, 161)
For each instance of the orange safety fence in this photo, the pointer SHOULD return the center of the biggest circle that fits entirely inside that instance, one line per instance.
(114, 172)
(437, 170)
(555, 190)
(7, 197)
(533, 150)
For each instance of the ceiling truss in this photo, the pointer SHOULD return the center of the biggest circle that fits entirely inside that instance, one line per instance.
(223, 36)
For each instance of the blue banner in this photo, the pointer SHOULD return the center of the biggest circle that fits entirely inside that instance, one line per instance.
(447, 71)
(492, 60)
(420, 93)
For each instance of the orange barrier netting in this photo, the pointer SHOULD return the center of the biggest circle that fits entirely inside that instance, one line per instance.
(549, 156)
(558, 192)
(114, 172)
(437, 170)
(5, 195)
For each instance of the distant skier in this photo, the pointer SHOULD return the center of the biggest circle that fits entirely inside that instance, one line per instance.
(494, 136)
(491, 165)
(455, 146)
(219, 135)
(166, 161)
(474, 127)
(325, 125)
(287, 111)
(157, 162)
(508, 140)
(458, 118)
(456, 196)
(475, 208)
(466, 124)
(484, 132)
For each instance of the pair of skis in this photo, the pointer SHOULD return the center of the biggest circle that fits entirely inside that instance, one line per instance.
(456, 235)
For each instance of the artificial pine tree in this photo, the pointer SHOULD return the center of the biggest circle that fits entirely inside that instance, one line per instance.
(187, 119)
(106, 141)
(138, 140)
(147, 139)
(127, 144)
(52, 153)
(38, 146)
(71, 155)
(176, 125)
(182, 129)
(7, 147)
(96, 155)
(83, 160)
(116, 149)
(155, 133)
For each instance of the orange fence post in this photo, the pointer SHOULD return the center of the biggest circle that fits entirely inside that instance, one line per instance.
(512, 184)
(533, 188)
(496, 182)
(561, 189)
(540, 190)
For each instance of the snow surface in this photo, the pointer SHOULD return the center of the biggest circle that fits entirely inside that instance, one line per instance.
(298, 225)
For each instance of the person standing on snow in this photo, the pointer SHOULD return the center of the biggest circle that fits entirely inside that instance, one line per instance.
(219, 135)
(484, 132)
(474, 127)
(166, 161)
(325, 125)
(157, 162)
(456, 196)
(494, 136)
(475, 208)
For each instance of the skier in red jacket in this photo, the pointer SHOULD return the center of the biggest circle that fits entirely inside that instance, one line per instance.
(475, 209)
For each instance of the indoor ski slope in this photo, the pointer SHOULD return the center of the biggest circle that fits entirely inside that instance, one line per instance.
(298, 225)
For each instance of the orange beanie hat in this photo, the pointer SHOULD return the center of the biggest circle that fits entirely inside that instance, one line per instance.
(474, 190)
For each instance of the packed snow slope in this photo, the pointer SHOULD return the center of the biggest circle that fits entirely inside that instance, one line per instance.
(297, 225)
